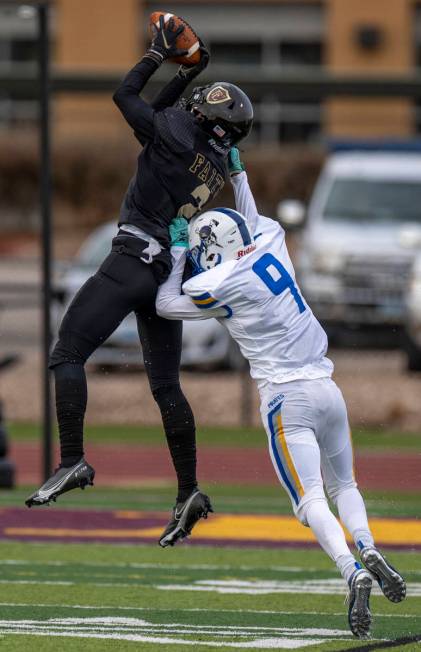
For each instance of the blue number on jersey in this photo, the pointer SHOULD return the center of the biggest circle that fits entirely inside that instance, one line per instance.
(279, 285)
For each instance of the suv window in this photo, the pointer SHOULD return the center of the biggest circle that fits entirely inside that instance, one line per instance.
(374, 201)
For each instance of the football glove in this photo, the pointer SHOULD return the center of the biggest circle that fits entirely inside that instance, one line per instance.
(179, 232)
(163, 45)
(235, 166)
(190, 72)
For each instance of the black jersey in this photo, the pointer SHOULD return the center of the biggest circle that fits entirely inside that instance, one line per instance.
(178, 173)
(178, 170)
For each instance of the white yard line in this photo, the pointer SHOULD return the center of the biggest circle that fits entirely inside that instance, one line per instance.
(242, 587)
(103, 624)
(191, 610)
(52, 582)
(267, 587)
(140, 630)
(262, 644)
(278, 569)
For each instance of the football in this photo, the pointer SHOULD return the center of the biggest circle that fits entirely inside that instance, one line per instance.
(188, 40)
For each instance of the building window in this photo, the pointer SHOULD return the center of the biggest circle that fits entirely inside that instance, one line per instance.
(286, 122)
(301, 53)
(18, 53)
(23, 50)
(245, 53)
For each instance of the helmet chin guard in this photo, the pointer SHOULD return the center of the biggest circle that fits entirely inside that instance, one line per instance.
(216, 237)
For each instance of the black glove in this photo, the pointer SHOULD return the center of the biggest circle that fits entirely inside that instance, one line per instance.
(190, 72)
(163, 45)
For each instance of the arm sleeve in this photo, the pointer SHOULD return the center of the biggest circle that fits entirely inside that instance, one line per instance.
(138, 113)
(244, 200)
(171, 304)
(169, 95)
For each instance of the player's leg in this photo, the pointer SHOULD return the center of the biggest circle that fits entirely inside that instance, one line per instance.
(296, 458)
(95, 312)
(338, 473)
(161, 343)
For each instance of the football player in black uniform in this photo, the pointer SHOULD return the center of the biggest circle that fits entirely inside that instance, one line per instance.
(180, 168)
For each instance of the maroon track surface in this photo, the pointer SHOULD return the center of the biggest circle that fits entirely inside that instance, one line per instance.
(128, 465)
(55, 524)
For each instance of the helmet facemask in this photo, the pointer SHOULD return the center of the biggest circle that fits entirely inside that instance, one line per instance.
(216, 237)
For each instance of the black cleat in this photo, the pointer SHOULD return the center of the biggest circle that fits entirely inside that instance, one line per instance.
(390, 581)
(64, 479)
(359, 615)
(184, 518)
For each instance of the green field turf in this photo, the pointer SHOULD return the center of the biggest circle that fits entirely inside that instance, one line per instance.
(232, 499)
(148, 599)
(369, 438)
(96, 597)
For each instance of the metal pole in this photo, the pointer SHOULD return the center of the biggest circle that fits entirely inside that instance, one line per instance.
(45, 200)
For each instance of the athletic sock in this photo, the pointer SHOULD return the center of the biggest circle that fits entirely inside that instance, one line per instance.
(71, 399)
(331, 536)
(178, 421)
(353, 515)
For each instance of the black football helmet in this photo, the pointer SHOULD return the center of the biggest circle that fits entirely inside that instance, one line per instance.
(224, 111)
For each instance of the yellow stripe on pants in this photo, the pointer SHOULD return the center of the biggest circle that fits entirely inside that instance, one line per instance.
(287, 456)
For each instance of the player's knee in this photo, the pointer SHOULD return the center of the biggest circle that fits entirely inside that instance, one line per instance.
(175, 409)
(167, 394)
(313, 495)
(169, 397)
(334, 491)
(69, 349)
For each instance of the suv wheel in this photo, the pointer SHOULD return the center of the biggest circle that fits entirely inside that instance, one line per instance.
(413, 354)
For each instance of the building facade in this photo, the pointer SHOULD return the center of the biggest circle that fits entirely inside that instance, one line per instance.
(255, 43)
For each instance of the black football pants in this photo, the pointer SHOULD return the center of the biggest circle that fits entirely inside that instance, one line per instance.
(123, 283)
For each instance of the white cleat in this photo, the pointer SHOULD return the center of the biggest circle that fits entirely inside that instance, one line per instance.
(390, 581)
(359, 615)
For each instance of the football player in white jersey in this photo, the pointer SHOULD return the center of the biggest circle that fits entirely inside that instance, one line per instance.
(243, 276)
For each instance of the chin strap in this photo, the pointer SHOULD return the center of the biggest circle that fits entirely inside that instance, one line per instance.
(193, 256)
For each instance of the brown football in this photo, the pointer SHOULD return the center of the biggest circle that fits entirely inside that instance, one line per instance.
(188, 40)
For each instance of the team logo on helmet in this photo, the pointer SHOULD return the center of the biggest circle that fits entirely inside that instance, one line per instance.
(217, 95)
(207, 236)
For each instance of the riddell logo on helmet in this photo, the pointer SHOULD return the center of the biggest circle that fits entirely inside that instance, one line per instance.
(218, 95)
(247, 250)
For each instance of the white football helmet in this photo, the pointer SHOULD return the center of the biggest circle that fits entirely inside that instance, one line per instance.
(217, 236)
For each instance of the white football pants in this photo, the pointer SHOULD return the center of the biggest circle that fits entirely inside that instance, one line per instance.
(310, 446)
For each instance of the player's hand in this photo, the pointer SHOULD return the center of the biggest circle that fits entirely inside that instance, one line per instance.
(235, 165)
(164, 45)
(190, 72)
(179, 232)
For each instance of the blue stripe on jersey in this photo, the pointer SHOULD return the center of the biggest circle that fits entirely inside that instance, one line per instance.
(240, 222)
(201, 297)
(229, 311)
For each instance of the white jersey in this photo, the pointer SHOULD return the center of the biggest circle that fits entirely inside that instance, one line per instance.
(257, 299)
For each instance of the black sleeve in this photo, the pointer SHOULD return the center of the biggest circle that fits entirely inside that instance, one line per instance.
(138, 113)
(169, 95)
(176, 128)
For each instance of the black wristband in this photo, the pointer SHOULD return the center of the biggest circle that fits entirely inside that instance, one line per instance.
(155, 55)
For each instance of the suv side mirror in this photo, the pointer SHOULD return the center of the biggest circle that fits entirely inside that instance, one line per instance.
(291, 213)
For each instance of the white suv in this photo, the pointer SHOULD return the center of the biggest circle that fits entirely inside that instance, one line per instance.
(413, 320)
(357, 246)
